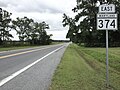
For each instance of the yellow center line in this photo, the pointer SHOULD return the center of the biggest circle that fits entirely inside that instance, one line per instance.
(19, 53)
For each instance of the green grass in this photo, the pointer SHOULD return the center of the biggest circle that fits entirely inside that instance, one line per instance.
(85, 69)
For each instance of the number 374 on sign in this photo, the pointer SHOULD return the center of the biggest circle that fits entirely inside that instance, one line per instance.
(106, 21)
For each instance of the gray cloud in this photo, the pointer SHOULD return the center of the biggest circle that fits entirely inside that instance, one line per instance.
(50, 11)
(38, 8)
(31, 6)
(41, 6)
(2, 4)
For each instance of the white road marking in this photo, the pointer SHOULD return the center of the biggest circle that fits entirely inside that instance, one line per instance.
(7, 79)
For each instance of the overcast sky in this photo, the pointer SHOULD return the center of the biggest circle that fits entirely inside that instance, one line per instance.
(50, 11)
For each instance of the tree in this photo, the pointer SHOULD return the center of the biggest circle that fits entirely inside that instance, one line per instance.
(40, 35)
(73, 30)
(27, 29)
(44, 37)
(5, 26)
(23, 27)
(86, 29)
(31, 31)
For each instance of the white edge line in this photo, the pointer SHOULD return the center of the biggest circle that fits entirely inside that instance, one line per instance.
(7, 79)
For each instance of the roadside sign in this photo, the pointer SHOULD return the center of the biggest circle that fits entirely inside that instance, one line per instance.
(106, 21)
(107, 8)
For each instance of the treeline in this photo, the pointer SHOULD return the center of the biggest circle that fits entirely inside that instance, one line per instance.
(60, 40)
(27, 29)
(85, 32)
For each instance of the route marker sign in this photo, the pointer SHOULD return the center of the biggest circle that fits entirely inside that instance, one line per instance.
(105, 8)
(106, 21)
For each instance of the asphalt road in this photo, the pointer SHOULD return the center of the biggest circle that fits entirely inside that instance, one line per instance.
(29, 69)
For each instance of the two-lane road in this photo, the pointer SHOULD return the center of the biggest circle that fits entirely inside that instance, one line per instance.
(29, 69)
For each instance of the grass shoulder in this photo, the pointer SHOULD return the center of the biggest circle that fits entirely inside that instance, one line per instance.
(80, 70)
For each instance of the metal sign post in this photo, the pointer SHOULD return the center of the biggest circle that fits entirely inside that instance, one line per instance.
(107, 62)
(107, 20)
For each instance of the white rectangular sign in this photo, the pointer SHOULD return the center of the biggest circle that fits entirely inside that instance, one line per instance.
(107, 8)
(106, 21)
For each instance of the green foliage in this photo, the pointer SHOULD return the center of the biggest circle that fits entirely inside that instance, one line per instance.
(85, 31)
(22, 27)
(5, 26)
(31, 31)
